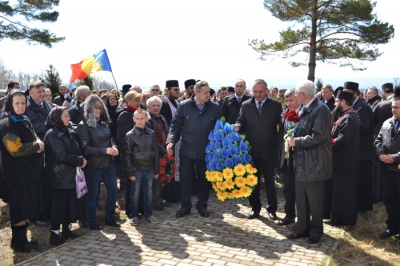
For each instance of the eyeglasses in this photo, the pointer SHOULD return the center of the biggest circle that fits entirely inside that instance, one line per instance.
(155, 90)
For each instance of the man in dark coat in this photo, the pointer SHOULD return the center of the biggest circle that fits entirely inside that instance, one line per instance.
(189, 86)
(289, 192)
(170, 100)
(366, 147)
(59, 100)
(345, 154)
(260, 120)
(192, 124)
(76, 111)
(312, 144)
(372, 97)
(231, 105)
(327, 96)
(387, 148)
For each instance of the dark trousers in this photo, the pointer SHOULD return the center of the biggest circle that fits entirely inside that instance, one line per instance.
(310, 203)
(289, 192)
(391, 198)
(364, 192)
(187, 169)
(376, 180)
(268, 172)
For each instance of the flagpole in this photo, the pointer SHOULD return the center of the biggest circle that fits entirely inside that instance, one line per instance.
(114, 80)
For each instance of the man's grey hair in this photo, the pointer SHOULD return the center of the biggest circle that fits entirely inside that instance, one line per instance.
(152, 99)
(200, 85)
(81, 90)
(289, 92)
(307, 87)
(261, 81)
(374, 89)
(328, 86)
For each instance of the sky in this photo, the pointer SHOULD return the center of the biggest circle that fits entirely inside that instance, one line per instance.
(149, 42)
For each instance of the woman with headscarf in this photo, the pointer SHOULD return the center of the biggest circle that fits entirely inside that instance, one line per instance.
(99, 148)
(21, 164)
(63, 156)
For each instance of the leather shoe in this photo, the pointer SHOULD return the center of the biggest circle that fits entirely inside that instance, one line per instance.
(387, 233)
(296, 235)
(313, 240)
(286, 221)
(253, 215)
(204, 213)
(95, 227)
(182, 213)
(272, 216)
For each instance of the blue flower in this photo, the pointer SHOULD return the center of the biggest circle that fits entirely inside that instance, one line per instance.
(242, 146)
(211, 166)
(209, 157)
(217, 145)
(238, 160)
(226, 142)
(224, 153)
(247, 158)
(219, 166)
(228, 128)
(233, 150)
(208, 148)
(217, 156)
(211, 136)
(218, 135)
(235, 136)
(228, 163)
(218, 125)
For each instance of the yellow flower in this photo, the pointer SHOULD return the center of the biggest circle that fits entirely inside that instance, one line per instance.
(220, 186)
(208, 176)
(229, 184)
(246, 191)
(239, 170)
(252, 180)
(218, 176)
(229, 195)
(250, 169)
(214, 186)
(237, 193)
(227, 173)
(221, 196)
(240, 181)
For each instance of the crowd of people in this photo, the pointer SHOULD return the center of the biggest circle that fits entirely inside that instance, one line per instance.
(341, 156)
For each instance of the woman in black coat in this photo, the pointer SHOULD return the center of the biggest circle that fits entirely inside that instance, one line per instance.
(63, 156)
(99, 148)
(21, 165)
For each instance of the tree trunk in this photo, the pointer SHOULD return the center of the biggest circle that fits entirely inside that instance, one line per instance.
(313, 42)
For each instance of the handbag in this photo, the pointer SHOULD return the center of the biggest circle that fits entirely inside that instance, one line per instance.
(81, 187)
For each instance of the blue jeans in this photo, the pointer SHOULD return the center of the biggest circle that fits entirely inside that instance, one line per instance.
(144, 178)
(109, 177)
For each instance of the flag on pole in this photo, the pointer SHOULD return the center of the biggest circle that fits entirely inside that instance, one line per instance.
(94, 63)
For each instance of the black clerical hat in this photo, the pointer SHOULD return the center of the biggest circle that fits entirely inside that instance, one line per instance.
(351, 86)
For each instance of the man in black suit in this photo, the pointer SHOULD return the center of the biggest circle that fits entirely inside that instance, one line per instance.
(366, 147)
(170, 100)
(259, 119)
(327, 96)
(312, 144)
(231, 105)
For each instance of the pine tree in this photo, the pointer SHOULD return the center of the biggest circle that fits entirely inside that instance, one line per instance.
(52, 80)
(343, 32)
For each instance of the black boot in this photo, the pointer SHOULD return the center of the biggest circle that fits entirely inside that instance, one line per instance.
(67, 233)
(55, 239)
(19, 241)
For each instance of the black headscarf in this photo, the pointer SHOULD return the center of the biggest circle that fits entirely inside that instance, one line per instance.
(9, 109)
(54, 119)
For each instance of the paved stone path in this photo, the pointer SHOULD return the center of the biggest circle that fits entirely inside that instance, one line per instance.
(227, 237)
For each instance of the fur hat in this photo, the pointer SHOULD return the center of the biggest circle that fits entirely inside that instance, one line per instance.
(92, 101)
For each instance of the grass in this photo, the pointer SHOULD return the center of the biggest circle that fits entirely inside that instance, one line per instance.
(358, 245)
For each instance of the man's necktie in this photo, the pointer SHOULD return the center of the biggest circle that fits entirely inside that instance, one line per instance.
(396, 125)
(259, 108)
(239, 99)
(200, 106)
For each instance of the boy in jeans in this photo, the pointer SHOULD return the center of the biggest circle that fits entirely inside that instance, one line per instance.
(142, 164)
